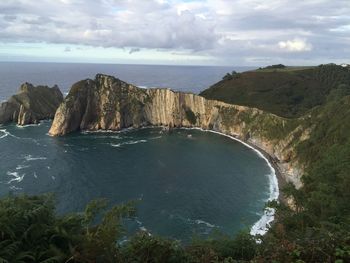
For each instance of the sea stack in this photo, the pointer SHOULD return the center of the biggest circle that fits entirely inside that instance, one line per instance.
(31, 104)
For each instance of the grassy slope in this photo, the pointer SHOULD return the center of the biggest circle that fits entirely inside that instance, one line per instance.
(318, 229)
(289, 92)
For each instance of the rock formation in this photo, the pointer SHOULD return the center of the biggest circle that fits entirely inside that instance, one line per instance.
(31, 104)
(107, 103)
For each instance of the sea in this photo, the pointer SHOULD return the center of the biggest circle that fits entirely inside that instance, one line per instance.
(185, 183)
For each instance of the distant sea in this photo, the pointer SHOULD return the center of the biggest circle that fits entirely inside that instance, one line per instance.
(182, 78)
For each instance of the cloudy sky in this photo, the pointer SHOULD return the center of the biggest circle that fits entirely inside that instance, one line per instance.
(208, 32)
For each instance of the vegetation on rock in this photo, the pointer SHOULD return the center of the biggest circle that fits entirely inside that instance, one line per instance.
(316, 228)
(288, 92)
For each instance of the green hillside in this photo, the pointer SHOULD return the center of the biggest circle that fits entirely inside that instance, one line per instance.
(315, 229)
(287, 92)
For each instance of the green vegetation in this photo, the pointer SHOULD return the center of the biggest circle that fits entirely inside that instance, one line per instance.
(277, 66)
(232, 75)
(31, 232)
(285, 92)
(315, 229)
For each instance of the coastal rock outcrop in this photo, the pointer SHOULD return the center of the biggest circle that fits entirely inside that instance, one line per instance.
(107, 103)
(31, 104)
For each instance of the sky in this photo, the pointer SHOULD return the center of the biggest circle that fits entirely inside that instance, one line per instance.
(176, 32)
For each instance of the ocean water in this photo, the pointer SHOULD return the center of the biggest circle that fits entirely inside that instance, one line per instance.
(186, 183)
(183, 78)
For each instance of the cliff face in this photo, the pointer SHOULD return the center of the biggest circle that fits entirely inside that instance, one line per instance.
(108, 103)
(31, 104)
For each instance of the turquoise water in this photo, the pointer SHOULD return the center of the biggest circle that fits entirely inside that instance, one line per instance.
(188, 183)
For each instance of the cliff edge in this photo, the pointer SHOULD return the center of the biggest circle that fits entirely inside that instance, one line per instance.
(31, 104)
(107, 103)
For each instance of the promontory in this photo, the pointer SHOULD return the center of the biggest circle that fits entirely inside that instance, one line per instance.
(107, 103)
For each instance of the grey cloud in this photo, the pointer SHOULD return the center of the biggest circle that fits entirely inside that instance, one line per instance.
(224, 29)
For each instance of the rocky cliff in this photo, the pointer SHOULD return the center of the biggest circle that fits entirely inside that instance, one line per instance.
(31, 104)
(108, 103)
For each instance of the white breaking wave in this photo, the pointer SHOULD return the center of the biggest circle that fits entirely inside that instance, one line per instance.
(16, 177)
(20, 167)
(262, 225)
(32, 158)
(108, 131)
(12, 187)
(202, 222)
(28, 125)
(4, 133)
(127, 143)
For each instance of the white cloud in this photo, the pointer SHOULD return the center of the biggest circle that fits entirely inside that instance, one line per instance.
(229, 30)
(295, 45)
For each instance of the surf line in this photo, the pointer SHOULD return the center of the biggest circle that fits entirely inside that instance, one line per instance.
(261, 226)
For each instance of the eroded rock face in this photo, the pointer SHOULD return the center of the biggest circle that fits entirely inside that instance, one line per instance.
(31, 104)
(107, 103)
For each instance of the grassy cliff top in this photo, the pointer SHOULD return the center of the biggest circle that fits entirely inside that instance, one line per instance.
(284, 91)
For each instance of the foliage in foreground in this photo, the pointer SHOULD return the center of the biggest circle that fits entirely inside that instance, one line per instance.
(317, 229)
(31, 232)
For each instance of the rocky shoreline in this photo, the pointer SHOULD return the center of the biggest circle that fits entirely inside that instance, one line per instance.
(31, 104)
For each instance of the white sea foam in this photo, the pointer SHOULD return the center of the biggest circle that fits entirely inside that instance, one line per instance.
(13, 187)
(28, 125)
(202, 222)
(262, 225)
(16, 177)
(4, 133)
(127, 143)
(29, 158)
(108, 131)
(21, 167)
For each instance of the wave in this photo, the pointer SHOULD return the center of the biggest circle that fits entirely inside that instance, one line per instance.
(262, 225)
(28, 125)
(108, 131)
(142, 227)
(193, 221)
(127, 143)
(17, 178)
(4, 133)
(12, 187)
(29, 158)
(199, 222)
(21, 167)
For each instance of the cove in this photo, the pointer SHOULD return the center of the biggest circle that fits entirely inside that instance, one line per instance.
(188, 182)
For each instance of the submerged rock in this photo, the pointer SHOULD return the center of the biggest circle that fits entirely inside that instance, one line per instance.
(107, 103)
(31, 104)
